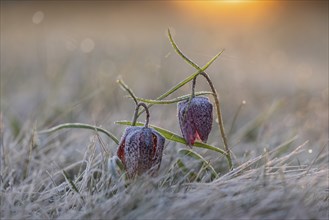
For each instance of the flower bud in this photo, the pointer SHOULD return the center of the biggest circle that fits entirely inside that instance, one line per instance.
(195, 120)
(140, 149)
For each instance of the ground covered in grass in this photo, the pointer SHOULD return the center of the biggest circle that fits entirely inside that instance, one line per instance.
(276, 184)
(272, 81)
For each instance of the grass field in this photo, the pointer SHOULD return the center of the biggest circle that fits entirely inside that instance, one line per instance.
(60, 65)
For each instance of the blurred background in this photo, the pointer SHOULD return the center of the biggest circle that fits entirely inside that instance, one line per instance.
(60, 61)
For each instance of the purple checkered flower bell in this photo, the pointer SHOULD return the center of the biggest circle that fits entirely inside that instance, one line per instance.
(195, 120)
(140, 150)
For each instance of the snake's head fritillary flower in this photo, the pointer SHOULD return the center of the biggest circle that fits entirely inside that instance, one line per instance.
(195, 120)
(140, 150)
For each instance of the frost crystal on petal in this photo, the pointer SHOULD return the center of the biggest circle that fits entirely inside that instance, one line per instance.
(159, 142)
(186, 123)
(140, 149)
(196, 121)
(121, 149)
(201, 110)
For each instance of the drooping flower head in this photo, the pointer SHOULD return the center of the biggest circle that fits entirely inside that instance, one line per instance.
(195, 119)
(140, 150)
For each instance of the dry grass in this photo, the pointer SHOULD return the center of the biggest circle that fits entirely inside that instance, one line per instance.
(275, 184)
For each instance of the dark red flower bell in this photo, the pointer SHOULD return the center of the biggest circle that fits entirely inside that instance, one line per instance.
(140, 150)
(195, 119)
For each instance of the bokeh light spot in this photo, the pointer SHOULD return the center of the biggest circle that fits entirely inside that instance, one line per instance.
(38, 17)
(87, 45)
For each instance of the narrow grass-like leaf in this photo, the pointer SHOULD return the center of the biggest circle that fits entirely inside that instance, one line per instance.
(197, 156)
(80, 125)
(70, 181)
(125, 87)
(114, 163)
(250, 129)
(119, 163)
(185, 170)
(175, 137)
(219, 114)
(236, 116)
(283, 147)
(181, 165)
(180, 52)
(171, 101)
(182, 83)
(190, 153)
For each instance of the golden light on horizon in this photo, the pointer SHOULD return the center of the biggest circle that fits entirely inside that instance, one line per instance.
(229, 11)
(230, 1)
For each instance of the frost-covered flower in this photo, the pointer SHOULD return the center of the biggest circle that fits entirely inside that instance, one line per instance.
(140, 150)
(195, 120)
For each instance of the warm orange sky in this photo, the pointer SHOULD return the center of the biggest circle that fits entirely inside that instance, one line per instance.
(232, 10)
(144, 13)
(267, 43)
(277, 34)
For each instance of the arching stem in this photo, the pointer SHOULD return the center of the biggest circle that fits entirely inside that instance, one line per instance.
(193, 86)
(136, 114)
(191, 96)
(220, 119)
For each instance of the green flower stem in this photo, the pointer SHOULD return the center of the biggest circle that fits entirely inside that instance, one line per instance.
(171, 101)
(147, 114)
(80, 125)
(236, 116)
(193, 87)
(219, 114)
(175, 137)
(197, 156)
(125, 87)
(191, 96)
(185, 81)
(220, 120)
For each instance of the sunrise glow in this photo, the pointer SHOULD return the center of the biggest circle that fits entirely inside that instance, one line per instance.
(229, 10)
